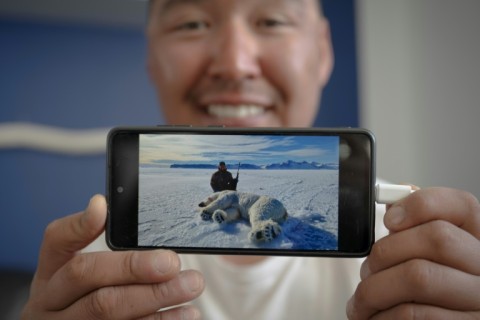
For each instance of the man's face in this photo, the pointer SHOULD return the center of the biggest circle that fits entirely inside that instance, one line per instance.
(238, 62)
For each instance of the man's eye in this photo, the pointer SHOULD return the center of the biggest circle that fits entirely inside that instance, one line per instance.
(193, 25)
(270, 23)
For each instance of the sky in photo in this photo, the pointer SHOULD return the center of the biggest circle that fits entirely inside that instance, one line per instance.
(166, 149)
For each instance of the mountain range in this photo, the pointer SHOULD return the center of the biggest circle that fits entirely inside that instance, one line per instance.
(287, 165)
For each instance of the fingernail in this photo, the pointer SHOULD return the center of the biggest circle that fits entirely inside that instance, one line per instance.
(190, 313)
(365, 270)
(96, 204)
(395, 216)
(164, 262)
(350, 309)
(191, 281)
(86, 212)
(89, 206)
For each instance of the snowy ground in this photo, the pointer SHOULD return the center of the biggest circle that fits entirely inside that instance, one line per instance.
(169, 214)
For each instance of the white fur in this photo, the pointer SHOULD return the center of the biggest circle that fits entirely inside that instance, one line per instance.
(263, 212)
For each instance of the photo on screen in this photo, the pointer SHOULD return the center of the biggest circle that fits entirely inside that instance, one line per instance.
(281, 191)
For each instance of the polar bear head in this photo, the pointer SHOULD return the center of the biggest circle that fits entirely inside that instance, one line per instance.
(209, 199)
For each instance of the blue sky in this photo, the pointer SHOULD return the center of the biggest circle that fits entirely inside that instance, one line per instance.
(255, 149)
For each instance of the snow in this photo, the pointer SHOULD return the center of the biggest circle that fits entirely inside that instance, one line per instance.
(169, 215)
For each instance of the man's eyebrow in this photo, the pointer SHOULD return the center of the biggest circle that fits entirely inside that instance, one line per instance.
(167, 5)
(300, 3)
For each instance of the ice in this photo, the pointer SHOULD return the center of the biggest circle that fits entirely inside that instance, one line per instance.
(169, 214)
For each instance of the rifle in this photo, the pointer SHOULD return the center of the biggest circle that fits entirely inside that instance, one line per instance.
(235, 181)
(238, 170)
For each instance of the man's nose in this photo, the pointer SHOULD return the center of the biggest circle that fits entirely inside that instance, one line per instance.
(234, 54)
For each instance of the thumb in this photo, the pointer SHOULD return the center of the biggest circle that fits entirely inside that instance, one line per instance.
(65, 236)
(457, 207)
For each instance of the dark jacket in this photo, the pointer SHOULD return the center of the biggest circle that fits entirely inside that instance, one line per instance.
(223, 180)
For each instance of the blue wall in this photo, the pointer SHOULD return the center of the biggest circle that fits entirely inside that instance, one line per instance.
(86, 77)
(67, 76)
(340, 98)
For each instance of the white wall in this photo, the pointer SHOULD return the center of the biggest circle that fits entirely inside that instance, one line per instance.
(419, 81)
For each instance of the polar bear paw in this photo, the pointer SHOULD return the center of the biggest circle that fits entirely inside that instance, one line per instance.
(266, 232)
(218, 216)
(206, 216)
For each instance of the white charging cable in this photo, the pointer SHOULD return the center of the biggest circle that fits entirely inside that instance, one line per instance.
(390, 193)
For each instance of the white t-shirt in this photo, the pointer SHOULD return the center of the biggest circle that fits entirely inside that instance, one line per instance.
(276, 288)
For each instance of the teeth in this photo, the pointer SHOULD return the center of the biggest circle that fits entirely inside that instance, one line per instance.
(234, 111)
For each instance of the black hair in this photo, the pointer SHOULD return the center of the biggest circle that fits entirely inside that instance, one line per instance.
(150, 3)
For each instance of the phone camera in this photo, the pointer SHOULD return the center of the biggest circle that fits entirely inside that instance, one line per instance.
(345, 151)
(120, 189)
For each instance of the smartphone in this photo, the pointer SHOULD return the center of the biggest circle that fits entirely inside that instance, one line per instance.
(262, 191)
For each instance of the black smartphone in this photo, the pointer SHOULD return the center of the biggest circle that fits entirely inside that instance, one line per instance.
(265, 191)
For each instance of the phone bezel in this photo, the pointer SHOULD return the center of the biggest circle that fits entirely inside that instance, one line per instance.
(356, 232)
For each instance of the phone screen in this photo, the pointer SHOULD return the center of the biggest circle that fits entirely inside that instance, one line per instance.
(304, 192)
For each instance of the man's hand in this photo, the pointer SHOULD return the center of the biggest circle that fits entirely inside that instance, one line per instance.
(105, 285)
(429, 265)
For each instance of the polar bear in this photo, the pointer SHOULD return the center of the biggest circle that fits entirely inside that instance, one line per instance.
(264, 213)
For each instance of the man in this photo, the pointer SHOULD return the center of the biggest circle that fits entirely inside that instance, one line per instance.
(222, 179)
(259, 63)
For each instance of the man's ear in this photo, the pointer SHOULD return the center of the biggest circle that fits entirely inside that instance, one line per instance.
(326, 52)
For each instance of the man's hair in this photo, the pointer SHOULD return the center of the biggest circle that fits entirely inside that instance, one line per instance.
(149, 8)
(150, 3)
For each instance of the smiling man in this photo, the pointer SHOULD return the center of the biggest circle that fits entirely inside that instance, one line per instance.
(259, 63)
(239, 63)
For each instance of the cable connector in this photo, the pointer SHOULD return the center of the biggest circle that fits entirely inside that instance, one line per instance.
(390, 193)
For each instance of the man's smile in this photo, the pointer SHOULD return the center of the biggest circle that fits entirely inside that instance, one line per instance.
(235, 111)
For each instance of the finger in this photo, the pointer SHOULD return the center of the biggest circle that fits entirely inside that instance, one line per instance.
(183, 312)
(455, 206)
(88, 272)
(437, 241)
(136, 301)
(423, 312)
(417, 281)
(65, 236)
(412, 186)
